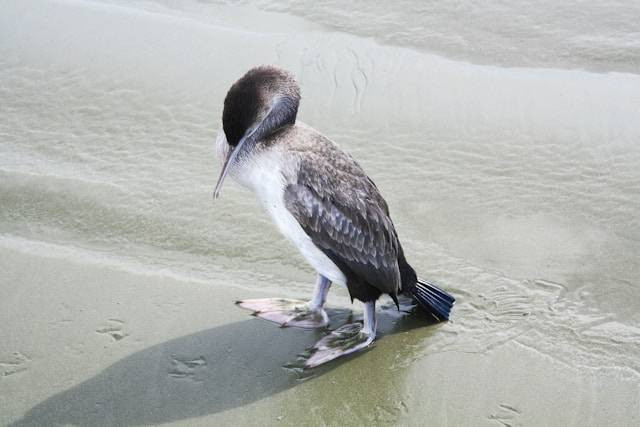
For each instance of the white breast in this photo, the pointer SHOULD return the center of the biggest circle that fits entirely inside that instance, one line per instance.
(265, 173)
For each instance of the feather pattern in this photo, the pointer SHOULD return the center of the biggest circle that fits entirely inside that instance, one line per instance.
(344, 214)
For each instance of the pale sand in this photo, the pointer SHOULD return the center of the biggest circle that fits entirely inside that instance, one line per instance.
(104, 347)
(118, 277)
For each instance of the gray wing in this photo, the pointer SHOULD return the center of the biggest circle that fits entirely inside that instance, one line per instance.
(342, 211)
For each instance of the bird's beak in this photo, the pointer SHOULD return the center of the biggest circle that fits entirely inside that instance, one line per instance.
(277, 116)
(228, 161)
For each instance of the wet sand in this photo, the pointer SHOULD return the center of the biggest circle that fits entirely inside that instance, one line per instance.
(517, 191)
(105, 347)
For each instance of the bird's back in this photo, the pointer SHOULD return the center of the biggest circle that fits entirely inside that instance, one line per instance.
(341, 210)
(323, 165)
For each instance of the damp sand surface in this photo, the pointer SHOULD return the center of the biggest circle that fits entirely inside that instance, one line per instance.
(512, 174)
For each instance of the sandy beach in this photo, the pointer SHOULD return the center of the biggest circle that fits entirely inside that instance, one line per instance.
(512, 177)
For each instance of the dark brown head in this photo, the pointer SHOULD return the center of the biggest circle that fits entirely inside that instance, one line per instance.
(261, 102)
(254, 96)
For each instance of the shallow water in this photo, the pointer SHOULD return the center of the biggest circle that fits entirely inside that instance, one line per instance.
(513, 175)
(600, 36)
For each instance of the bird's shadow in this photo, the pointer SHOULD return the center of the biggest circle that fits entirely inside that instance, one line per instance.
(203, 373)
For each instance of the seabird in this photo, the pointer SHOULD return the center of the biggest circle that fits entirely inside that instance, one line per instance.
(324, 203)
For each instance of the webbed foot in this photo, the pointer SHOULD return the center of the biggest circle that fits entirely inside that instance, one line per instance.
(287, 312)
(345, 340)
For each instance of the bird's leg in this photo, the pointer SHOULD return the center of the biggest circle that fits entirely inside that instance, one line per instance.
(320, 293)
(292, 312)
(346, 339)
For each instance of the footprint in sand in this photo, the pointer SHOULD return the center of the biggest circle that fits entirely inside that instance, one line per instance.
(14, 364)
(506, 415)
(187, 367)
(113, 328)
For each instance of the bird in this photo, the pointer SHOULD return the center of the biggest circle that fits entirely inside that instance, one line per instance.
(324, 203)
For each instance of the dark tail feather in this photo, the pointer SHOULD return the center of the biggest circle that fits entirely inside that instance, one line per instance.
(433, 299)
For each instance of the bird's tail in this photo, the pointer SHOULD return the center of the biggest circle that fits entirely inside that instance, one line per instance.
(432, 299)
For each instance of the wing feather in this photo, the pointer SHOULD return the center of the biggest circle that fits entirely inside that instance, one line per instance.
(347, 218)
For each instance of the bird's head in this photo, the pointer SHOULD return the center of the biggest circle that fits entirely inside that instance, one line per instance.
(262, 101)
